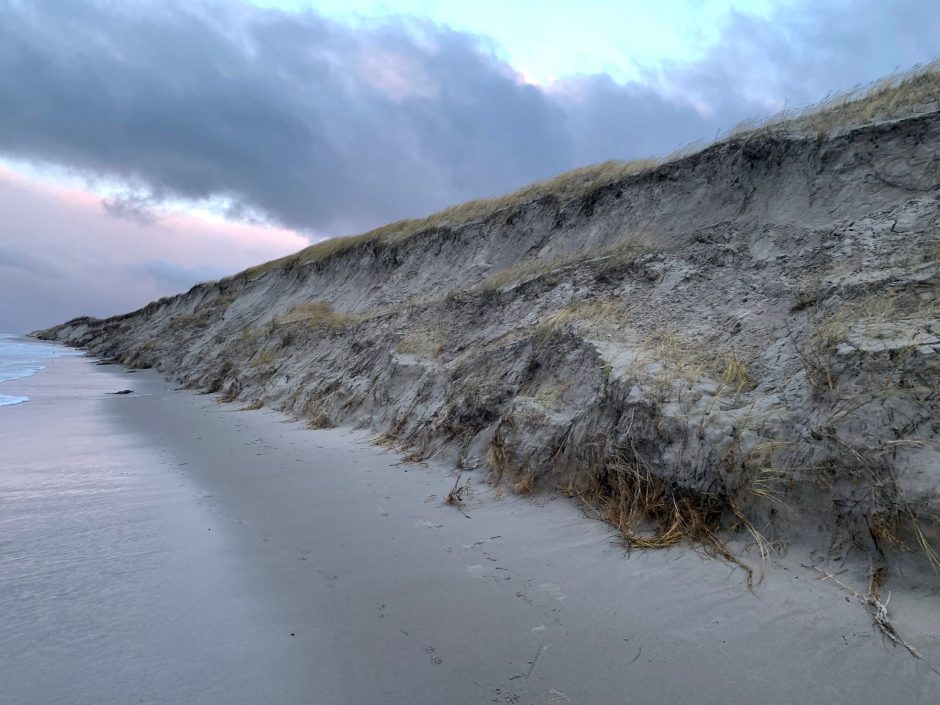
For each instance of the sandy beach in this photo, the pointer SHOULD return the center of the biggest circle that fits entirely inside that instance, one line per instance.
(161, 547)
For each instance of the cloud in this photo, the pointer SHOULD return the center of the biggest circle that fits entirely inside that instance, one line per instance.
(142, 210)
(61, 256)
(277, 119)
(808, 51)
(328, 128)
(17, 258)
(320, 126)
(176, 277)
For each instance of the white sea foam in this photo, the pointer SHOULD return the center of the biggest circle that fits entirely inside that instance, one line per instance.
(10, 401)
(21, 358)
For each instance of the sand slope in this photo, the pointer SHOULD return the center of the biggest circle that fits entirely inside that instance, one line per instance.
(740, 341)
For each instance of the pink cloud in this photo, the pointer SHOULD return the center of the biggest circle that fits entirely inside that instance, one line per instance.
(397, 76)
(62, 255)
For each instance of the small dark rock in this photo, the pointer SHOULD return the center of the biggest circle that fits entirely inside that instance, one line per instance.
(123, 391)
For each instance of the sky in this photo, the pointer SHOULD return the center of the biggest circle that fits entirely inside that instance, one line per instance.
(148, 145)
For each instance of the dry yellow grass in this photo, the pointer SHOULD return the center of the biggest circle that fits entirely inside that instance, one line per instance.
(422, 343)
(766, 479)
(892, 97)
(526, 484)
(317, 314)
(265, 357)
(322, 250)
(550, 395)
(873, 316)
(650, 512)
(197, 319)
(625, 249)
(320, 421)
(586, 316)
(736, 376)
(529, 269)
(678, 357)
(674, 364)
(563, 187)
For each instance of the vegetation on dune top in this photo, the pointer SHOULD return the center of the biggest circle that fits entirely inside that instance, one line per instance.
(890, 98)
(562, 187)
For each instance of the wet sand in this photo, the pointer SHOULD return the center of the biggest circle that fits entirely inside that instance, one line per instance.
(160, 547)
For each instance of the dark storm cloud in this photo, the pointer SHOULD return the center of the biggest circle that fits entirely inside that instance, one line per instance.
(310, 122)
(607, 120)
(809, 51)
(142, 210)
(327, 128)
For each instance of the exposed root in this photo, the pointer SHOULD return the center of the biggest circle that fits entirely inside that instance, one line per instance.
(876, 608)
(652, 513)
(457, 494)
(320, 421)
(500, 456)
(526, 484)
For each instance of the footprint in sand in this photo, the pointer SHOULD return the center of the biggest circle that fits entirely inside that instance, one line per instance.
(553, 590)
(428, 524)
(556, 697)
(477, 571)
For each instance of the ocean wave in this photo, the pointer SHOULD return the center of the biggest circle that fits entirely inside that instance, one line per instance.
(10, 401)
(21, 358)
(11, 371)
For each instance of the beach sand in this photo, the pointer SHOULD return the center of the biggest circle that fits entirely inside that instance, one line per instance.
(160, 547)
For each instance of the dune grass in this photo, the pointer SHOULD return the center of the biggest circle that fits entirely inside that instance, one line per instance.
(736, 375)
(197, 319)
(619, 253)
(595, 316)
(563, 187)
(264, 357)
(890, 98)
(422, 343)
(650, 512)
(317, 314)
(875, 315)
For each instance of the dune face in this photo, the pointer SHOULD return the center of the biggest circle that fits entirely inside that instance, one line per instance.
(746, 336)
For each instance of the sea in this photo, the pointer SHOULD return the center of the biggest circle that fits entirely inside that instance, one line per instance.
(119, 580)
(19, 358)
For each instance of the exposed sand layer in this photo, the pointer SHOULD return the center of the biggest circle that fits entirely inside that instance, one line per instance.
(160, 547)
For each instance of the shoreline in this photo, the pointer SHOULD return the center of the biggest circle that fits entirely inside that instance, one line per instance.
(369, 589)
(17, 364)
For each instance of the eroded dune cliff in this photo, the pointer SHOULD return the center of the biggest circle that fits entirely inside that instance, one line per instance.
(747, 336)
